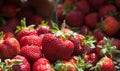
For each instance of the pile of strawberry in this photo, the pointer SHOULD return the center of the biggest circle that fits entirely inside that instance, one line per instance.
(28, 42)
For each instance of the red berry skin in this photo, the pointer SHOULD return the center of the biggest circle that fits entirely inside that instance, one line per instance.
(34, 19)
(107, 65)
(9, 46)
(26, 32)
(77, 41)
(82, 6)
(59, 13)
(106, 10)
(51, 45)
(31, 40)
(31, 53)
(91, 20)
(42, 29)
(85, 30)
(25, 12)
(24, 66)
(99, 35)
(116, 42)
(97, 4)
(74, 19)
(42, 64)
(9, 10)
(91, 58)
(12, 23)
(111, 23)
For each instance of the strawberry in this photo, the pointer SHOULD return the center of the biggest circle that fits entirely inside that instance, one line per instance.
(85, 30)
(60, 14)
(57, 41)
(97, 4)
(80, 63)
(89, 44)
(42, 64)
(111, 22)
(24, 30)
(82, 6)
(91, 58)
(7, 64)
(77, 40)
(43, 28)
(31, 40)
(26, 12)
(23, 66)
(35, 19)
(31, 53)
(65, 47)
(106, 47)
(12, 23)
(116, 43)
(99, 35)
(91, 20)
(64, 66)
(74, 19)
(105, 64)
(9, 46)
(107, 10)
(9, 10)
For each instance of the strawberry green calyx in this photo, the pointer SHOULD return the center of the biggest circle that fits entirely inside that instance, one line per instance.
(107, 48)
(81, 65)
(59, 66)
(43, 23)
(23, 26)
(1, 35)
(67, 7)
(59, 32)
(89, 41)
(8, 64)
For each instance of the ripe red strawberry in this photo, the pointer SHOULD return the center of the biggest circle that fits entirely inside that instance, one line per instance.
(24, 30)
(9, 46)
(74, 19)
(91, 58)
(24, 65)
(6, 29)
(78, 49)
(97, 4)
(59, 12)
(105, 64)
(31, 40)
(43, 28)
(116, 42)
(51, 44)
(31, 53)
(111, 23)
(64, 66)
(82, 6)
(107, 10)
(99, 35)
(91, 20)
(80, 63)
(42, 64)
(25, 12)
(105, 47)
(34, 19)
(85, 30)
(9, 10)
